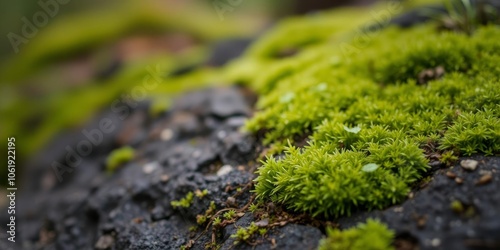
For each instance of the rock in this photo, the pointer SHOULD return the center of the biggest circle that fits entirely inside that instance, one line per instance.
(229, 102)
(262, 223)
(236, 121)
(226, 169)
(470, 165)
(131, 208)
(238, 149)
(227, 50)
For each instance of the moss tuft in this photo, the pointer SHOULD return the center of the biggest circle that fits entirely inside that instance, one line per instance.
(474, 133)
(118, 157)
(371, 235)
(184, 202)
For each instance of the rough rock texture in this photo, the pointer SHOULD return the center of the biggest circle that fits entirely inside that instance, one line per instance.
(177, 153)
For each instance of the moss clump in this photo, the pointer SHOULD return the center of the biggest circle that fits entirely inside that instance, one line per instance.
(448, 158)
(370, 116)
(245, 234)
(457, 206)
(333, 182)
(184, 202)
(201, 193)
(474, 133)
(371, 235)
(118, 157)
(229, 214)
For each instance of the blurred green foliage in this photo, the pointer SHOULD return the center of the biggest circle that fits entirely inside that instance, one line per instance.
(372, 235)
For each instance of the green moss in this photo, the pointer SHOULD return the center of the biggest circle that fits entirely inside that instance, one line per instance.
(118, 157)
(217, 221)
(245, 234)
(229, 214)
(333, 183)
(371, 235)
(474, 133)
(457, 206)
(369, 116)
(200, 194)
(448, 158)
(184, 202)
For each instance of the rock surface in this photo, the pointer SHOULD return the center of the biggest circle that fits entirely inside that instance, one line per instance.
(197, 145)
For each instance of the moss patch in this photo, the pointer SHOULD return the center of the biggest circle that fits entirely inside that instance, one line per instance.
(371, 235)
(118, 157)
(370, 115)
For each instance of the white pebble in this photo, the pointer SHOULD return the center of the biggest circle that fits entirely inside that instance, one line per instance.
(469, 164)
(226, 169)
(150, 167)
(166, 134)
(436, 242)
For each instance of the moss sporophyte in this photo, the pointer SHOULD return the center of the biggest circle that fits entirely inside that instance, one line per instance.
(369, 116)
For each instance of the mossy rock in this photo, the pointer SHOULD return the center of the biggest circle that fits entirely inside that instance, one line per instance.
(372, 106)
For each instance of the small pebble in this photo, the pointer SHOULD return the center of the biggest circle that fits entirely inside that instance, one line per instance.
(164, 178)
(221, 134)
(421, 222)
(231, 202)
(226, 169)
(451, 175)
(262, 223)
(469, 164)
(166, 134)
(459, 180)
(105, 242)
(150, 167)
(398, 209)
(411, 195)
(436, 242)
(485, 179)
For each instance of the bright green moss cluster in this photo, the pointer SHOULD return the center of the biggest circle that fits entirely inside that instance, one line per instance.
(184, 202)
(474, 133)
(371, 235)
(119, 156)
(368, 108)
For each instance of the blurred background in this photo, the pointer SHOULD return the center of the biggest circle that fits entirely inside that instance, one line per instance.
(64, 61)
